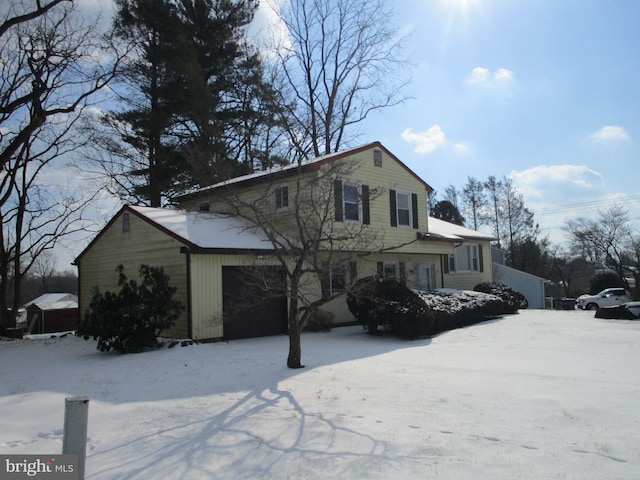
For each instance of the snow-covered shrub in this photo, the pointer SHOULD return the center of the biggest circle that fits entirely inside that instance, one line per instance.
(459, 308)
(513, 299)
(388, 303)
(626, 311)
(132, 319)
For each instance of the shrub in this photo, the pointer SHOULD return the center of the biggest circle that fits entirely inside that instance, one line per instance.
(513, 300)
(388, 303)
(320, 321)
(132, 319)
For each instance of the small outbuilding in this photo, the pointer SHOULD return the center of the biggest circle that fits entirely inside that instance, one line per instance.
(52, 312)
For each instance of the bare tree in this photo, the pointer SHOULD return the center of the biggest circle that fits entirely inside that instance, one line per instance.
(308, 235)
(609, 240)
(474, 200)
(341, 60)
(493, 189)
(52, 65)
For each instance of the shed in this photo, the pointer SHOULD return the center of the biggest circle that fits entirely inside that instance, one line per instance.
(52, 312)
(531, 286)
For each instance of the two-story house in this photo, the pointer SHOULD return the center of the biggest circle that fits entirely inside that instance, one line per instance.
(354, 213)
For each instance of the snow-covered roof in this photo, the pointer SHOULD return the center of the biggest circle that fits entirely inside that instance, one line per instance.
(450, 231)
(207, 230)
(54, 301)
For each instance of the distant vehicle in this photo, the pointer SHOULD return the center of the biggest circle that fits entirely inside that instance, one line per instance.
(609, 297)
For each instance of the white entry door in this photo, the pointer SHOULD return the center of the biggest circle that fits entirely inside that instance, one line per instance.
(426, 273)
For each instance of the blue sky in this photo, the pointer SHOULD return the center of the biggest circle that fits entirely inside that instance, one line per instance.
(546, 92)
(543, 91)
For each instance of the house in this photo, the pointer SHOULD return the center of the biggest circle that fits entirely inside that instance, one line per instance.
(376, 220)
(52, 312)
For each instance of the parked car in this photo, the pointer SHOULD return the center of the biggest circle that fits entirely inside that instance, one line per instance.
(609, 297)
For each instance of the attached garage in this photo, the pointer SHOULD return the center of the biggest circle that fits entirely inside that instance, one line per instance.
(219, 264)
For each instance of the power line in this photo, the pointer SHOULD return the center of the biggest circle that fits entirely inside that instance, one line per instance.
(584, 205)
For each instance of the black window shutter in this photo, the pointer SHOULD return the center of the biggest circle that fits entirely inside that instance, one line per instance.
(337, 193)
(446, 263)
(414, 208)
(481, 267)
(403, 273)
(392, 207)
(365, 205)
(380, 267)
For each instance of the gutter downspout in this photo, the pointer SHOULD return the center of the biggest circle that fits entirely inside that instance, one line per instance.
(187, 253)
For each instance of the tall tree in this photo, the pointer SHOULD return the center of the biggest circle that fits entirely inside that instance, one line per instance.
(493, 188)
(51, 69)
(474, 200)
(518, 221)
(340, 60)
(195, 102)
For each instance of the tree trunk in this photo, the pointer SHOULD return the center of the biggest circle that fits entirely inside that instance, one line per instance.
(295, 349)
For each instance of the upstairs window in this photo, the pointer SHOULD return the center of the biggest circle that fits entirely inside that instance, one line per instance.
(351, 202)
(281, 196)
(404, 209)
(125, 223)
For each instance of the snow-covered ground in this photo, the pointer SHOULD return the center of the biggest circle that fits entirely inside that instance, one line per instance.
(536, 395)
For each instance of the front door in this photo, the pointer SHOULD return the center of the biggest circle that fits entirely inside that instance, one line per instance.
(426, 276)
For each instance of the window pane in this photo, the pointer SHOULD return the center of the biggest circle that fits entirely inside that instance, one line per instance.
(350, 199)
(402, 206)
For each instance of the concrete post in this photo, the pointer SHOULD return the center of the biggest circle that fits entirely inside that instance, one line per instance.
(74, 440)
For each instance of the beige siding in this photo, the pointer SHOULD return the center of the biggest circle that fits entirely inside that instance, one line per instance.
(143, 244)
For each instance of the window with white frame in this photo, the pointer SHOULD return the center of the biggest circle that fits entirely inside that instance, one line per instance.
(281, 196)
(351, 202)
(465, 259)
(403, 208)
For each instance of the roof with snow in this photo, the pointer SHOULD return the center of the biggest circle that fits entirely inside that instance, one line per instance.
(54, 301)
(440, 229)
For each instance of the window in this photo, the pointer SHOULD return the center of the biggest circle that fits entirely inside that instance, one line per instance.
(204, 207)
(351, 202)
(466, 258)
(340, 276)
(125, 223)
(403, 206)
(281, 196)
(350, 197)
(377, 158)
(403, 209)
(392, 270)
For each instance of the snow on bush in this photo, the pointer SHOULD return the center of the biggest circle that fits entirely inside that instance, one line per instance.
(513, 299)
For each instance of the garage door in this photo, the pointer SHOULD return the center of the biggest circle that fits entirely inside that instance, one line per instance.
(254, 302)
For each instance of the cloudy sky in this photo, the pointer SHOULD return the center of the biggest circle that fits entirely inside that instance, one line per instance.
(543, 91)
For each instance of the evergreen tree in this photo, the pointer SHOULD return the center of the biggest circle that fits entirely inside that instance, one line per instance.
(194, 96)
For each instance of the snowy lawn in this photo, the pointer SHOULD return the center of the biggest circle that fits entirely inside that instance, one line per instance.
(536, 395)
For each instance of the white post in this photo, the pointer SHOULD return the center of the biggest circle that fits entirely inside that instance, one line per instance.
(74, 440)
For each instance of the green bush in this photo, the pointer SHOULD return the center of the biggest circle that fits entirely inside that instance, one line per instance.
(512, 299)
(386, 302)
(320, 321)
(132, 319)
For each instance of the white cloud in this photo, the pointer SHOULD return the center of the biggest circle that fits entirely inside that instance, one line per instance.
(462, 148)
(546, 181)
(483, 77)
(609, 135)
(427, 141)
